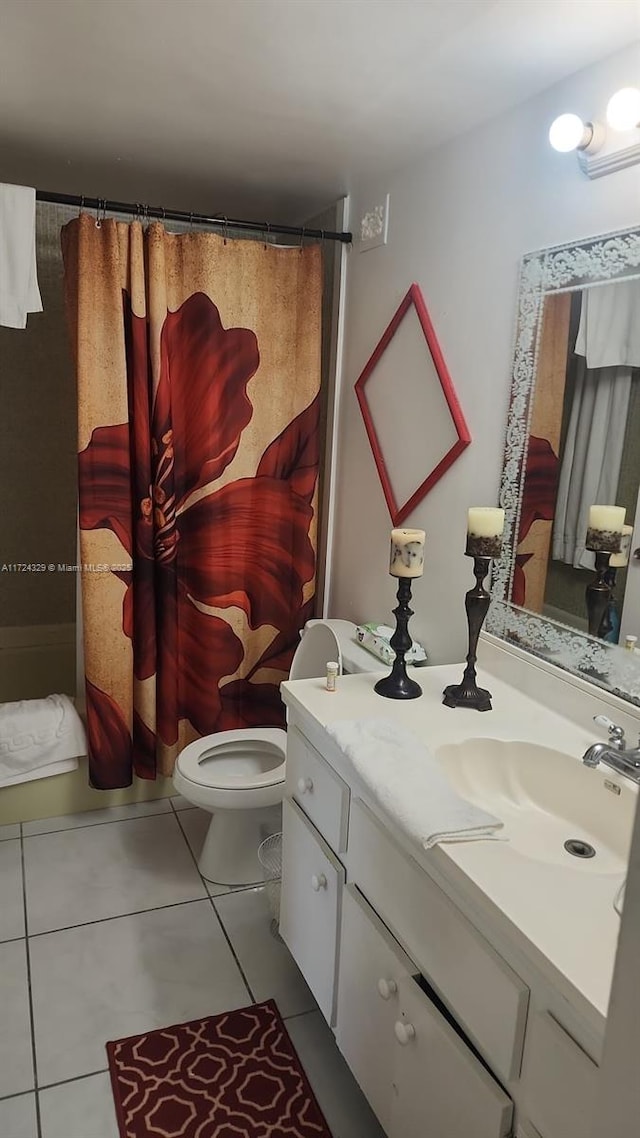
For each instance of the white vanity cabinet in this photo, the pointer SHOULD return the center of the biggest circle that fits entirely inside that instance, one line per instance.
(448, 1032)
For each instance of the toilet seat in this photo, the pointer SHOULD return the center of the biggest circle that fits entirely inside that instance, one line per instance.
(236, 760)
(220, 768)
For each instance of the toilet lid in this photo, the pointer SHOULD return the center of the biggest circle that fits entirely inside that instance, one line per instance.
(236, 760)
(318, 645)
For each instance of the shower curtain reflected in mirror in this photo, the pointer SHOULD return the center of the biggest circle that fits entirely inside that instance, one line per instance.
(198, 364)
(606, 352)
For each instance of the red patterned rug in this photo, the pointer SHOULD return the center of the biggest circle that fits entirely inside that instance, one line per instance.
(234, 1075)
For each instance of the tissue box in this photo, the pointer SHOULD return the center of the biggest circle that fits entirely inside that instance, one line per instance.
(376, 637)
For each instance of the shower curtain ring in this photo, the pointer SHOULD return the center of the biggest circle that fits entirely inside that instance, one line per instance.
(98, 223)
(190, 220)
(225, 229)
(81, 204)
(267, 232)
(302, 233)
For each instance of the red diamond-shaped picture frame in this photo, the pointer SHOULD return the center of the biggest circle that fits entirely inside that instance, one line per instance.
(438, 402)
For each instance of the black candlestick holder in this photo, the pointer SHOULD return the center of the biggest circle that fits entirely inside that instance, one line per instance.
(598, 593)
(398, 685)
(607, 625)
(476, 602)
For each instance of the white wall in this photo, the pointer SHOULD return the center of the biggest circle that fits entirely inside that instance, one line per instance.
(460, 220)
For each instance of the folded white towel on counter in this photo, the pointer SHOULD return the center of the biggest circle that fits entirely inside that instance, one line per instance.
(406, 781)
(19, 292)
(39, 737)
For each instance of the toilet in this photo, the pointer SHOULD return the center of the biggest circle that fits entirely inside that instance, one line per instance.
(239, 775)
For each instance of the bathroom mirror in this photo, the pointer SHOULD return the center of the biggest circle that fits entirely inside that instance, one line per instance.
(573, 438)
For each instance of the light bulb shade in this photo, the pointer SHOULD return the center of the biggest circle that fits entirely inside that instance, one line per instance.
(567, 132)
(623, 109)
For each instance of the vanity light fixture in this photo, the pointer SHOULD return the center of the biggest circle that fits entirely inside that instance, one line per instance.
(623, 109)
(568, 132)
(597, 154)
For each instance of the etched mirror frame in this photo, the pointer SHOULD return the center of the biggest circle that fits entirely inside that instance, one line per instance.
(563, 268)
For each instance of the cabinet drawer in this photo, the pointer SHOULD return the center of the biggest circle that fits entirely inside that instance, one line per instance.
(320, 792)
(312, 880)
(560, 1081)
(371, 968)
(441, 1087)
(417, 1073)
(484, 994)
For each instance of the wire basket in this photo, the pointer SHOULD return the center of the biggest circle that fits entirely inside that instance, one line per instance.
(270, 858)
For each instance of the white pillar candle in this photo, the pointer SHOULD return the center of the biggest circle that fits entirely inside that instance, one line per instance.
(607, 518)
(619, 560)
(604, 532)
(407, 552)
(485, 521)
(485, 526)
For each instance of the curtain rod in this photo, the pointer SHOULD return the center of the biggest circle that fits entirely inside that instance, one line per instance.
(144, 212)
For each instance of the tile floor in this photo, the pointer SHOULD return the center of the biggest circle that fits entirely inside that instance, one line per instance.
(107, 929)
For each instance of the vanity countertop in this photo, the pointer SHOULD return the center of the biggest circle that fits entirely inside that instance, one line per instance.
(561, 918)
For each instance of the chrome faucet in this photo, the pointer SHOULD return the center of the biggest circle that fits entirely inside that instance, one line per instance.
(614, 754)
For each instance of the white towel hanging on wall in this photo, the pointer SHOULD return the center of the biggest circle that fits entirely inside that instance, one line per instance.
(19, 292)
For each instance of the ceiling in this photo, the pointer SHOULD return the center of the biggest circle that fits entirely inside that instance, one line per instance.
(269, 107)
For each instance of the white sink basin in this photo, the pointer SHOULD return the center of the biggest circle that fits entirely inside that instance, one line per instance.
(545, 798)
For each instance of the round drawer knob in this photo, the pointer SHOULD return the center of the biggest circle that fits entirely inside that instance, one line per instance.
(304, 785)
(387, 989)
(405, 1032)
(318, 882)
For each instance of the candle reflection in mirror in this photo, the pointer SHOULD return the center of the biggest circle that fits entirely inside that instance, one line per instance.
(604, 539)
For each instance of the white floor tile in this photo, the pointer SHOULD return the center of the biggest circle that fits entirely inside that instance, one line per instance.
(96, 817)
(16, 1068)
(271, 971)
(110, 980)
(81, 1109)
(104, 871)
(12, 831)
(345, 1108)
(11, 898)
(195, 823)
(18, 1117)
(180, 803)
